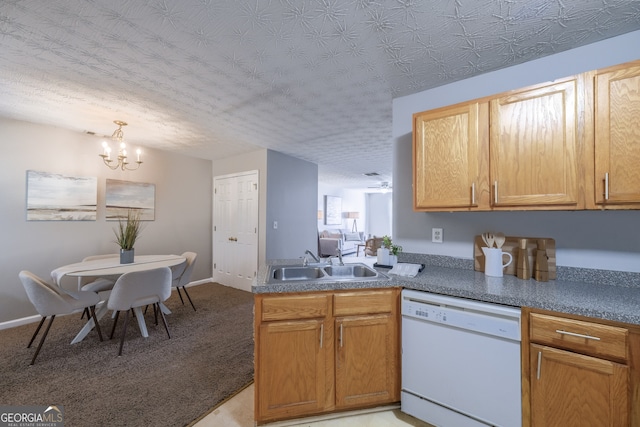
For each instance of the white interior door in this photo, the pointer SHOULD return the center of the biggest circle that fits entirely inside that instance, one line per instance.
(235, 229)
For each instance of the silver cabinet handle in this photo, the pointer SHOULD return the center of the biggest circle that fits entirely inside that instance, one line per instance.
(340, 335)
(495, 192)
(473, 193)
(573, 334)
(606, 186)
(539, 363)
(321, 334)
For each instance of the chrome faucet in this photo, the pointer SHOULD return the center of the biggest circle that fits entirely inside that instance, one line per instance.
(340, 257)
(308, 252)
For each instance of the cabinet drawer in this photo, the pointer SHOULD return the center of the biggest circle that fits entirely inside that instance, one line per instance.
(364, 302)
(583, 337)
(295, 307)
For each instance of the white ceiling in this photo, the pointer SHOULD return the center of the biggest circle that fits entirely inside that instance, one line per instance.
(310, 78)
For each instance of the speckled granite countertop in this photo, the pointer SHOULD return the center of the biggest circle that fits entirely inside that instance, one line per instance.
(600, 294)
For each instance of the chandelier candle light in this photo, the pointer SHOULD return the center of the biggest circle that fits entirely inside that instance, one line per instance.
(118, 137)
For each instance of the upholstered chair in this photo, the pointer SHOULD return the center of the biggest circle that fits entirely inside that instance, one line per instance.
(138, 289)
(51, 300)
(181, 275)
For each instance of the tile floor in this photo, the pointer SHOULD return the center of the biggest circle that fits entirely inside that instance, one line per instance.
(238, 412)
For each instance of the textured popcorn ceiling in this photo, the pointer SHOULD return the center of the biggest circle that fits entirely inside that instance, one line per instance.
(310, 78)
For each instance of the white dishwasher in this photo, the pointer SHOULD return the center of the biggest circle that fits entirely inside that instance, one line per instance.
(460, 361)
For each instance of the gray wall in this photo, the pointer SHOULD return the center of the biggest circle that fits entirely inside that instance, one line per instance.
(589, 239)
(183, 207)
(292, 191)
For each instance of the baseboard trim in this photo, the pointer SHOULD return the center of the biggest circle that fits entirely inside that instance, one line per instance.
(36, 318)
(19, 322)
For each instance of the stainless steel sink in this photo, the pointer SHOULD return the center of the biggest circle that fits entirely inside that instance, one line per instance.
(297, 273)
(350, 271)
(322, 272)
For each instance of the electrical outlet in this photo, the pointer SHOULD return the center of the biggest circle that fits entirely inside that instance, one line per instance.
(436, 235)
(275, 225)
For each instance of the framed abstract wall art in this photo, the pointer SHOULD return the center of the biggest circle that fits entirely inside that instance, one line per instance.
(122, 196)
(333, 210)
(55, 197)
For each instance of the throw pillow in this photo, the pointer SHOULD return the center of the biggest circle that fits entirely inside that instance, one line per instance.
(352, 237)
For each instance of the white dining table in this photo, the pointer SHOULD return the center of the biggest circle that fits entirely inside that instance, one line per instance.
(112, 267)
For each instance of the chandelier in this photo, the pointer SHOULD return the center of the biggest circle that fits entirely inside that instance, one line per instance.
(122, 161)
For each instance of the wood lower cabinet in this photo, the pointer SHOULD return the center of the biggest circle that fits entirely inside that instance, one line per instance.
(326, 351)
(617, 137)
(571, 389)
(366, 328)
(293, 377)
(579, 371)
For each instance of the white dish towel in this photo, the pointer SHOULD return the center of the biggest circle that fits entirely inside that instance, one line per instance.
(405, 269)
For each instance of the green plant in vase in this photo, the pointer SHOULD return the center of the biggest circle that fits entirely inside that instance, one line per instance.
(393, 249)
(126, 235)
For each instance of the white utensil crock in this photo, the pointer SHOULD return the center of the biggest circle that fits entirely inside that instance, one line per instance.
(493, 265)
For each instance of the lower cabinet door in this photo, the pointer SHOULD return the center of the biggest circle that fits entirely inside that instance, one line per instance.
(366, 360)
(292, 370)
(570, 389)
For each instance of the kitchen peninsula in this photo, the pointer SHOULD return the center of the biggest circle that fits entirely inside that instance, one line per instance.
(604, 301)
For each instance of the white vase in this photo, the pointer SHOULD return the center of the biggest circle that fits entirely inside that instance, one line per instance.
(383, 256)
(393, 260)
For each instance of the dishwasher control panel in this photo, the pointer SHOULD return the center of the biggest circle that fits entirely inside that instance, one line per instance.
(486, 318)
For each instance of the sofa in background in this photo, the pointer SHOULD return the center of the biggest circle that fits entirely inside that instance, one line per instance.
(332, 240)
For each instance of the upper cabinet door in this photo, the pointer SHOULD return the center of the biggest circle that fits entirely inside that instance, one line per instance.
(534, 147)
(617, 136)
(450, 161)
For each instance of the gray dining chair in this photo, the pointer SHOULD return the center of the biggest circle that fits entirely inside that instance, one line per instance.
(138, 289)
(181, 275)
(99, 284)
(51, 300)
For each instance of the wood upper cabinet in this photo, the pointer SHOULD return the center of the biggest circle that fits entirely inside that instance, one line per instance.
(521, 150)
(320, 352)
(534, 160)
(450, 158)
(617, 137)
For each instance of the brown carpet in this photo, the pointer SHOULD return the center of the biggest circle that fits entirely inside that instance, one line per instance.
(157, 381)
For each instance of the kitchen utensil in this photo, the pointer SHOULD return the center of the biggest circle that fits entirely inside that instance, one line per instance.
(512, 245)
(493, 265)
(500, 238)
(488, 239)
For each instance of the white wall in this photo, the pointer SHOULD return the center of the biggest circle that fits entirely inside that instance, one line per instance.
(380, 214)
(183, 207)
(352, 201)
(589, 239)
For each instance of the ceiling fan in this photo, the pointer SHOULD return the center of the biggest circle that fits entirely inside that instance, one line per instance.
(384, 187)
